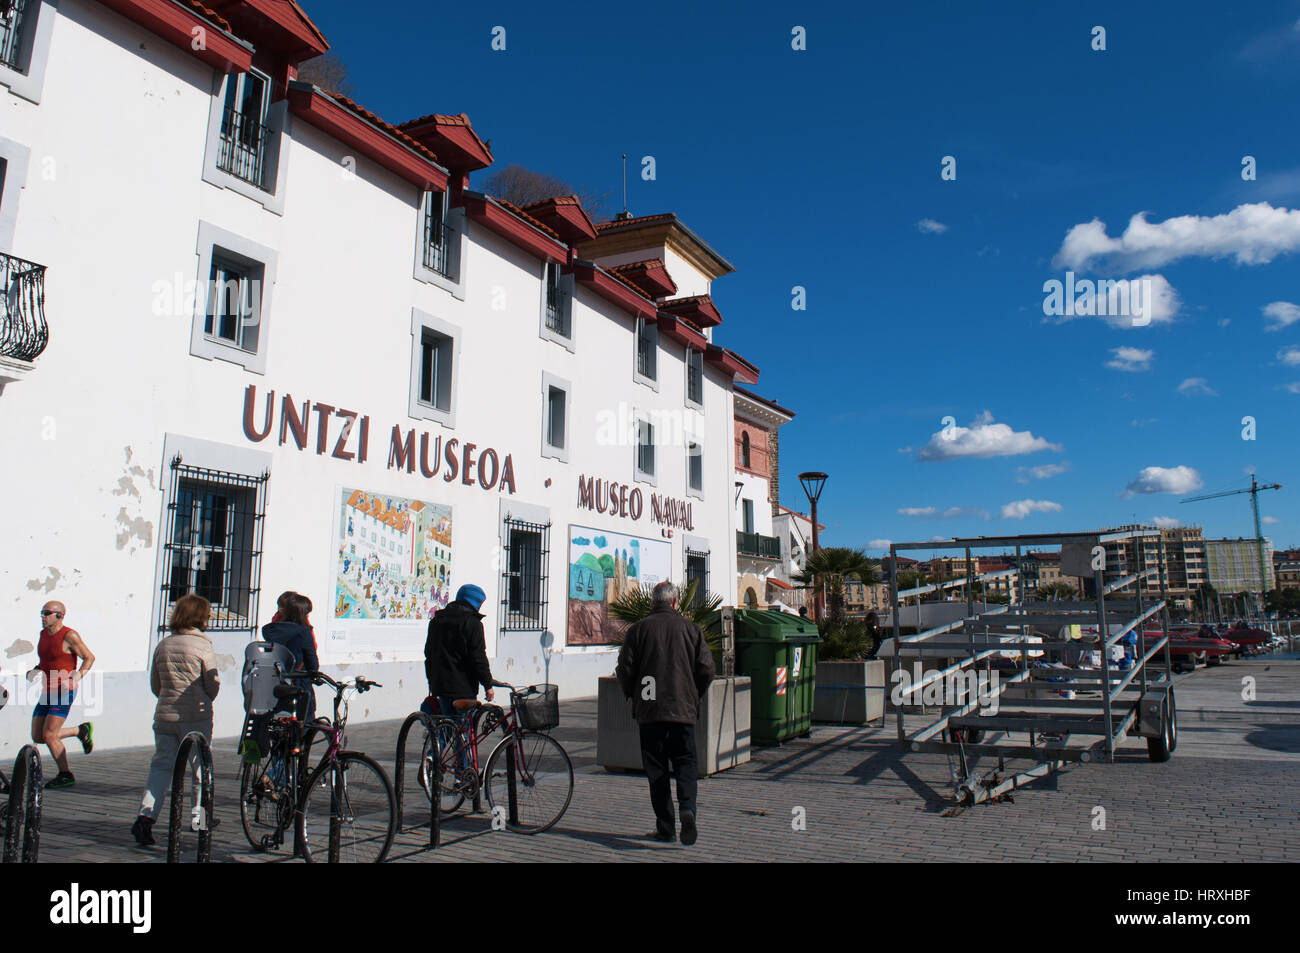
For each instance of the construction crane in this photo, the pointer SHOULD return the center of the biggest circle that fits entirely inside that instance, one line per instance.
(1254, 490)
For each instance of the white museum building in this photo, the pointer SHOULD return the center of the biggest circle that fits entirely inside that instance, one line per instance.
(255, 338)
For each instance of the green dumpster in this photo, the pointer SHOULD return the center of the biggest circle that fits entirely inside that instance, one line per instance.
(778, 651)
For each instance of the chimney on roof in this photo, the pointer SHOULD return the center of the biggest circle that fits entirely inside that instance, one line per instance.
(623, 216)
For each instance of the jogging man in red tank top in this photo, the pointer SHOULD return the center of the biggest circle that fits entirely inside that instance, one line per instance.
(58, 649)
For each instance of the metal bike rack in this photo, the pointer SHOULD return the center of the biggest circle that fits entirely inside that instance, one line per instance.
(22, 815)
(399, 782)
(1050, 704)
(181, 774)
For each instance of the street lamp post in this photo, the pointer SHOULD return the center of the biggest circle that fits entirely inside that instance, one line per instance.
(813, 482)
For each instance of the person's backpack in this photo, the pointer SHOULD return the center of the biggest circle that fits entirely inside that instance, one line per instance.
(265, 667)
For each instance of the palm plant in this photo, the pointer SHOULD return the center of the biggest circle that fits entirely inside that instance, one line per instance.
(1057, 590)
(826, 571)
(697, 605)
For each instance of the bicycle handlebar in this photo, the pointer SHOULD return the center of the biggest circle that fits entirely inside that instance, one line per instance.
(320, 678)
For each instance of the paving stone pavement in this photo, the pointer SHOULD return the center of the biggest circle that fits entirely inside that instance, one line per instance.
(1228, 794)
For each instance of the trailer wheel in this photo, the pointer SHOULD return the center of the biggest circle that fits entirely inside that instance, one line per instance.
(970, 736)
(1159, 749)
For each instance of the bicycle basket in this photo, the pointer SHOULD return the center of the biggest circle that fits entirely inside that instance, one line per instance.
(539, 711)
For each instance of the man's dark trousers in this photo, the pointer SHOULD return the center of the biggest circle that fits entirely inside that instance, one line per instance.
(665, 744)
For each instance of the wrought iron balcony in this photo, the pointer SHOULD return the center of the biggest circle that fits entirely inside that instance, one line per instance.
(755, 544)
(23, 332)
(243, 146)
(437, 247)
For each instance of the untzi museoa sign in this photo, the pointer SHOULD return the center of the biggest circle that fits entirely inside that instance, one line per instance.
(350, 432)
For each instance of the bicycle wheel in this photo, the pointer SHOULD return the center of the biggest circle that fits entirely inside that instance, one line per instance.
(349, 814)
(450, 796)
(541, 775)
(265, 808)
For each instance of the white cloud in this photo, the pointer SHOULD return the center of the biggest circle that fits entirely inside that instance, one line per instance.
(1294, 387)
(880, 544)
(1253, 234)
(1281, 313)
(1019, 509)
(1164, 480)
(1127, 302)
(1224, 322)
(930, 227)
(1136, 422)
(982, 439)
(1130, 359)
(1270, 520)
(1025, 474)
(1166, 522)
(1196, 385)
(1290, 356)
(934, 513)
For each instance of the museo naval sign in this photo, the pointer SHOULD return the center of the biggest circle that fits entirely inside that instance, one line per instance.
(350, 435)
(619, 499)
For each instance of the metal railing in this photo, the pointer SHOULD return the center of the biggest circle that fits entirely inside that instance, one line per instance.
(433, 778)
(22, 815)
(243, 146)
(12, 21)
(437, 247)
(201, 815)
(755, 544)
(23, 331)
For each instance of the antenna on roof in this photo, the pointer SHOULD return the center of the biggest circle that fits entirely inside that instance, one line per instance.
(624, 214)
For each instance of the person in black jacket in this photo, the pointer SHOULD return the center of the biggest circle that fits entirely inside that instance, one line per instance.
(455, 654)
(294, 632)
(665, 666)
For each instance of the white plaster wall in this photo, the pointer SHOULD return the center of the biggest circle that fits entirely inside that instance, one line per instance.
(86, 482)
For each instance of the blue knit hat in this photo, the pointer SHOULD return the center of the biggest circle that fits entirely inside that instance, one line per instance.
(471, 594)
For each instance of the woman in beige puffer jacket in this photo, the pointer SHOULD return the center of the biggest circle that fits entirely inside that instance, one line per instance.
(184, 677)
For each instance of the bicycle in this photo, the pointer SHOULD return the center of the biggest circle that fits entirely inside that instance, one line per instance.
(528, 777)
(343, 809)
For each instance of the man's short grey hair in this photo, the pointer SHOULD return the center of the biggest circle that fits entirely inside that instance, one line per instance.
(664, 593)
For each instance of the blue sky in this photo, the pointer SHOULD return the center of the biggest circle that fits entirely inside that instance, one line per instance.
(814, 168)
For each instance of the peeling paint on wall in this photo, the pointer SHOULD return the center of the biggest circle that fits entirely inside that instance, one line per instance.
(48, 583)
(20, 647)
(225, 662)
(138, 529)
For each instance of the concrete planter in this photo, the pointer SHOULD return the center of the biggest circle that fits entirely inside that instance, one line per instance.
(721, 734)
(849, 692)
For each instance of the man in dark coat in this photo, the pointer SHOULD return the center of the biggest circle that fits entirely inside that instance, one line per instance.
(455, 653)
(665, 666)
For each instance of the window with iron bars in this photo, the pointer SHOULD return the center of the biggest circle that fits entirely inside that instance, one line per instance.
(243, 128)
(646, 343)
(695, 376)
(13, 17)
(525, 576)
(213, 544)
(557, 317)
(697, 568)
(438, 236)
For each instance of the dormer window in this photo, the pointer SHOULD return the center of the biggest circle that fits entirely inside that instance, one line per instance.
(13, 16)
(243, 129)
(647, 346)
(437, 240)
(557, 305)
(245, 150)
